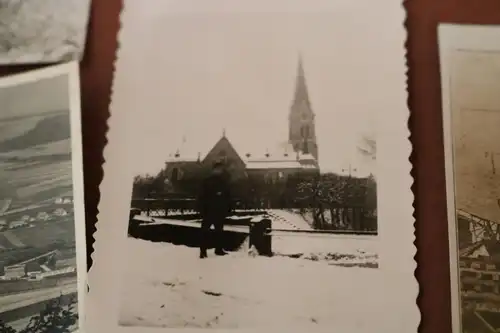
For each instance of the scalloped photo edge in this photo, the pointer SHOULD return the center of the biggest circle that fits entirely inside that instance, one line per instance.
(198, 85)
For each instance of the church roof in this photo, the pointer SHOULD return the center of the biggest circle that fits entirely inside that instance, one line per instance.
(281, 156)
(253, 165)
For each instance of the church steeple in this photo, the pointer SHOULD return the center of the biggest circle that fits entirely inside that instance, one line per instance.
(302, 131)
(301, 93)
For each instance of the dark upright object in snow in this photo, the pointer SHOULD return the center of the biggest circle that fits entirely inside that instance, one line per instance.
(215, 205)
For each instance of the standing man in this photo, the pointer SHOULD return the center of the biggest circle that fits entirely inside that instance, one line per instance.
(215, 205)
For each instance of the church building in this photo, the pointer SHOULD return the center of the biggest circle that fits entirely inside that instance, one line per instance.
(298, 154)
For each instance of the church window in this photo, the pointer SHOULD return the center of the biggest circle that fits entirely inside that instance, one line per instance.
(175, 174)
(269, 177)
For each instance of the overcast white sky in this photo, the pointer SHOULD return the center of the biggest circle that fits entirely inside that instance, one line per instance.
(194, 74)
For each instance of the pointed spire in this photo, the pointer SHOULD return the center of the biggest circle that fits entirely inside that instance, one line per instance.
(301, 93)
(300, 68)
(224, 132)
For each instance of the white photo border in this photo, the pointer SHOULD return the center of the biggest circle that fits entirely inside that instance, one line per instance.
(395, 198)
(453, 38)
(71, 70)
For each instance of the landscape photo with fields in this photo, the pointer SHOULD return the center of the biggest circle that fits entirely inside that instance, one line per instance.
(37, 223)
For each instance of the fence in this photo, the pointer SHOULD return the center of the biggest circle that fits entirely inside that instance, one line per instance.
(258, 230)
(334, 217)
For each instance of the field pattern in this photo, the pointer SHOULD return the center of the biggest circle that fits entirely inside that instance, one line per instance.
(35, 155)
(35, 159)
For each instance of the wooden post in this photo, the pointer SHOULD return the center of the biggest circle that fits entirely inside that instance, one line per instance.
(133, 224)
(260, 238)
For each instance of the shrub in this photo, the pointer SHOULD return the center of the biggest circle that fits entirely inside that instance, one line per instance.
(57, 317)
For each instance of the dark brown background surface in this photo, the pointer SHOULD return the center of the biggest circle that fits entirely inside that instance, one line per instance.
(425, 124)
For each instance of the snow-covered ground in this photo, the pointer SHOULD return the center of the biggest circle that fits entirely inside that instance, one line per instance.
(341, 250)
(169, 286)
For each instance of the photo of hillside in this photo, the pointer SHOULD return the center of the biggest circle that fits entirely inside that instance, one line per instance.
(37, 229)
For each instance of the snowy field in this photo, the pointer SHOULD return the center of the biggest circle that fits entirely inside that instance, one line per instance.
(169, 286)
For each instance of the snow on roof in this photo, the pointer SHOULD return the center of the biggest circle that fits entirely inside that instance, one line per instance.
(268, 157)
(193, 150)
(273, 165)
(306, 157)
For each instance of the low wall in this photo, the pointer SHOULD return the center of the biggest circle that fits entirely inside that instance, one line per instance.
(183, 235)
(188, 233)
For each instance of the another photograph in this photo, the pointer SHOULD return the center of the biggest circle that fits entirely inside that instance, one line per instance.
(42, 221)
(257, 174)
(42, 31)
(470, 67)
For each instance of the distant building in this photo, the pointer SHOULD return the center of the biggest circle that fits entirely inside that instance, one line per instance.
(17, 224)
(63, 200)
(43, 216)
(52, 262)
(25, 218)
(32, 267)
(60, 212)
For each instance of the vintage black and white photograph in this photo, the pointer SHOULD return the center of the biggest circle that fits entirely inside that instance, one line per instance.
(42, 31)
(470, 58)
(243, 172)
(42, 227)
